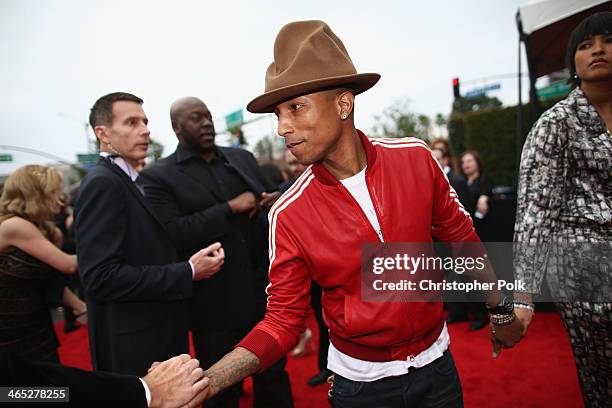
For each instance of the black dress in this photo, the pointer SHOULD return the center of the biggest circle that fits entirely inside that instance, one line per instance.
(27, 287)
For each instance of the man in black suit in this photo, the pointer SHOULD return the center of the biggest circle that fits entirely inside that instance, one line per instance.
(203, 193)
(136, 293)
(173, 383)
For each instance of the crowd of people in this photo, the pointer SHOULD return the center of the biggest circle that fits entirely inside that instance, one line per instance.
(206, 241)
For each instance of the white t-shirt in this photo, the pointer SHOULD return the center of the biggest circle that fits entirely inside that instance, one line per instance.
(366, 371)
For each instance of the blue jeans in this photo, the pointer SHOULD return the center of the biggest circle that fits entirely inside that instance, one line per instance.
(436, 385)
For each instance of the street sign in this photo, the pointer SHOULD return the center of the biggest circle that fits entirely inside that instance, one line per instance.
(88, 158)
(6, 157)
(234, 119)
(482, 90)
(555, 90)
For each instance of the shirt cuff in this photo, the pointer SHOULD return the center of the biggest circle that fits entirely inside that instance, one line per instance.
(147, 392)
(192, 270)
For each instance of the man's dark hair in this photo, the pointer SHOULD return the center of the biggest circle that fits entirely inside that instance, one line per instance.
(102, 111)
(596, 24)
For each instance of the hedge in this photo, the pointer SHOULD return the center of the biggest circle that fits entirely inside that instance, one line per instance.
(492, 133)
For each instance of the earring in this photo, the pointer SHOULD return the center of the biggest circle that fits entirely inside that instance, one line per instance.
(575, 75)
(343, 116)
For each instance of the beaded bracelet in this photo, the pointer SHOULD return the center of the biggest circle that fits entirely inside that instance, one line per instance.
(502, 320)
(523, 305)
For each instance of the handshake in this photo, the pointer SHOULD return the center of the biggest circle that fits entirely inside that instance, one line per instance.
(177, 382)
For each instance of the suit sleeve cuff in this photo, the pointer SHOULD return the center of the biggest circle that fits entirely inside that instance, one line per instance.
(192, 270)
(147, 392)
(264, 346)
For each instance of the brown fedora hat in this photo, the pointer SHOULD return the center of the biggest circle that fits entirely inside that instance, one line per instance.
(308, 57)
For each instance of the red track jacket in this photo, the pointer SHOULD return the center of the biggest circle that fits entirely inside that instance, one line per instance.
(316, 232)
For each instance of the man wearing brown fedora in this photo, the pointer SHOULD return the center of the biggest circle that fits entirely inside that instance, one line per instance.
(356, 191)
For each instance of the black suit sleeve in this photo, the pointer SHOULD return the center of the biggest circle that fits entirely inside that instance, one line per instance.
(101, 227)
(186, 231)
(86, 389)
(486, 186)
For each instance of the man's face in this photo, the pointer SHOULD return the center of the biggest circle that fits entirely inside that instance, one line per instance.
(439, 155)
(310, 125)
(128, 133)
(195, 128)
(295, 167)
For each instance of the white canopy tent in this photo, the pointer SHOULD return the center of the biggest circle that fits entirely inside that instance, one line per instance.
(544, 27)
(537, 14)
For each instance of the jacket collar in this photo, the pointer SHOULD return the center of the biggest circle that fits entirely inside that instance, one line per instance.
(188, 163)
(183, 154)
(585, 112)
(324, 176)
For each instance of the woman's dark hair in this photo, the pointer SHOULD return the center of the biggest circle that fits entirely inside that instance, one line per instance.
(476, 157)
(596, 24)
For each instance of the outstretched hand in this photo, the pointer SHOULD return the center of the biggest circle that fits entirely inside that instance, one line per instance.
(177, 382)
(268, 200)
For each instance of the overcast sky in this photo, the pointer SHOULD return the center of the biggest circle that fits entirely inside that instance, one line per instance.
(59, 56)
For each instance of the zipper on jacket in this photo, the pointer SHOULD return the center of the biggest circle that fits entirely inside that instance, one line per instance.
(364, 217)
(375, 205)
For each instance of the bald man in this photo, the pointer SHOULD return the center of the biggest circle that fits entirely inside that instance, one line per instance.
(207, 193)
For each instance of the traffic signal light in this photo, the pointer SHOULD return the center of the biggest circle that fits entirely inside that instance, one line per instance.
(456, 91)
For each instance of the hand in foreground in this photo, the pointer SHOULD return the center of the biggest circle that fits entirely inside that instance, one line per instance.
(506, 336)
(482, 205)
(525, 316)
(268, 199)
(177, 382)
(207, 261)
(244, 203)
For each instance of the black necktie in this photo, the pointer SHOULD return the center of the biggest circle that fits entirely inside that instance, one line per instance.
(139, 186)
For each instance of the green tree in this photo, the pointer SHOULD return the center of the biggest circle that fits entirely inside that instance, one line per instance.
(399, 121)
(264, 149)
(478, 103)
(440, 120)
(156, 149)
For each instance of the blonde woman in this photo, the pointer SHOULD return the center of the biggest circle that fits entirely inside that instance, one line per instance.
(29, 259)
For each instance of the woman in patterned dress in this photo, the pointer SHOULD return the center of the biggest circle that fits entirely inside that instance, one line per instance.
(29, 259)
(565, 203)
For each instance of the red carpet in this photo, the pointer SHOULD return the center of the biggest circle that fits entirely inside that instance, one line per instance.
(539, 372)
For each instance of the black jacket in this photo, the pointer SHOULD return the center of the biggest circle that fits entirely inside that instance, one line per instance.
(186, 200)
(86, 389)
(136, 295)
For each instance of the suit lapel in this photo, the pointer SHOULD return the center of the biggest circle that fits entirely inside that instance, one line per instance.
(131, 187)
(241, 169)
(194, 171)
